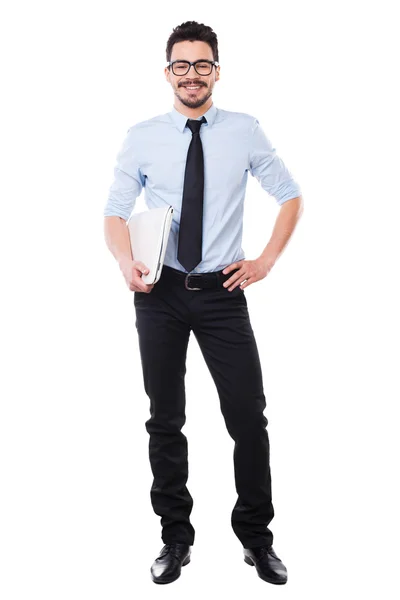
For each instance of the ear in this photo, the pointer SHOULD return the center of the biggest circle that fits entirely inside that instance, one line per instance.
(166, 71)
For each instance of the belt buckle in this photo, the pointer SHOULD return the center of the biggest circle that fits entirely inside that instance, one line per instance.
(186, 282)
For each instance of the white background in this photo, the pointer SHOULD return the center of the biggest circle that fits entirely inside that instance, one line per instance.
(76, 519)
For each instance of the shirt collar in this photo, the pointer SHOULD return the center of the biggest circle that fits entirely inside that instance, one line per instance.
(180, 120)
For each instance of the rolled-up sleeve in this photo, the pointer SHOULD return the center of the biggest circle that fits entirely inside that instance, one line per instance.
(128, 180)
(269, 169)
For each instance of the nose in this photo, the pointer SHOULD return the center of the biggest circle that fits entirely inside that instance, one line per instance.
(194, 71)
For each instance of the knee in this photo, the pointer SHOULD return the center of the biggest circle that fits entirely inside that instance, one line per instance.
(165, 423)
(245, 425)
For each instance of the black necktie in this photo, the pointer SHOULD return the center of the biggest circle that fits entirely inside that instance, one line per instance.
(191, 222)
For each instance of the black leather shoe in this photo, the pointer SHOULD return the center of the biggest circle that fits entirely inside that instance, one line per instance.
(167, 566)
(269, 567)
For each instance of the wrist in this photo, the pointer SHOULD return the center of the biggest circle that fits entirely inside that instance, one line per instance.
(123, 260)
(268, 259)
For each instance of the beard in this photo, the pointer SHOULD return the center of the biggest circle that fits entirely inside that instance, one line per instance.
(194, 101)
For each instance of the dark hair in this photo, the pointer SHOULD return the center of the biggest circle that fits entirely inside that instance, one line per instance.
(192, 31)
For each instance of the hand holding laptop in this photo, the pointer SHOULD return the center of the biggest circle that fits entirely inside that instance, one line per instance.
(132, 271)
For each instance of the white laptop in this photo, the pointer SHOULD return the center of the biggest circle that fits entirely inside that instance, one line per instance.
(148, 233)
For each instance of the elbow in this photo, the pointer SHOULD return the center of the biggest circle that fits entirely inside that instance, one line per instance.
(296, 205)
(301, 206)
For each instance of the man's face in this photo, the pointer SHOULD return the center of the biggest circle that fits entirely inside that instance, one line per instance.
(192, 51)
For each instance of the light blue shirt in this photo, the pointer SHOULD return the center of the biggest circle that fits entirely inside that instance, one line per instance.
(153, 156)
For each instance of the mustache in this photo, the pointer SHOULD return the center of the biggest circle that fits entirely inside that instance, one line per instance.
(191, 84)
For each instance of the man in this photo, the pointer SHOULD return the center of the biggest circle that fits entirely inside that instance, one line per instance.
(196, 158)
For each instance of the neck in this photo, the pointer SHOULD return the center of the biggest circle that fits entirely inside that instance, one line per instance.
(192, 113)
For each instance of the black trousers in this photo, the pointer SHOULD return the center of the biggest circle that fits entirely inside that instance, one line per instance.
(220, 322)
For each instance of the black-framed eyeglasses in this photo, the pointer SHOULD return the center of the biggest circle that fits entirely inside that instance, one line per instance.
(202, 67)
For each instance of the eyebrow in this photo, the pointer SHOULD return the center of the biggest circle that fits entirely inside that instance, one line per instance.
(186, 60)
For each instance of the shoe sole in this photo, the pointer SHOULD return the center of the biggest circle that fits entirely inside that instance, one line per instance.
(248, 561)
(159, 580)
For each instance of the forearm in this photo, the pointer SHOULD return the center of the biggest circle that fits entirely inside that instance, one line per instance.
(117, 238)
(286, 221)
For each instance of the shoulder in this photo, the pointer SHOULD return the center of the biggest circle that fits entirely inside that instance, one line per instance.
(142, 133)
(148, 124)
(239, 119)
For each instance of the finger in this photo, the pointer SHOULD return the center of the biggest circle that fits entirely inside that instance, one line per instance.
(230, 283)
(229, 268)
(141, 286)
(246, 283)
(142, 267)
(239, 282)
(236, 277)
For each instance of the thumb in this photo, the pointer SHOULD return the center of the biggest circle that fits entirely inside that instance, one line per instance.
(143, 268)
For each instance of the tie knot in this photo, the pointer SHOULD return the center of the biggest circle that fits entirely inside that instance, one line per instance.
(195, 124)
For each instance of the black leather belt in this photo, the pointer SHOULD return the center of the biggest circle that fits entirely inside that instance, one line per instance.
(199, 281)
